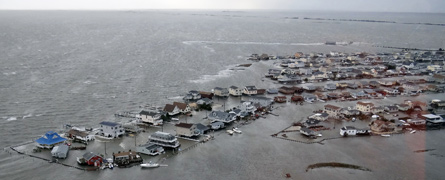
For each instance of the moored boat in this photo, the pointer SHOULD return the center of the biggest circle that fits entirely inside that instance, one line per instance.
(149, 165)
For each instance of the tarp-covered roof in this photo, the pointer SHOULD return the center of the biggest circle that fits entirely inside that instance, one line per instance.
(50, 138)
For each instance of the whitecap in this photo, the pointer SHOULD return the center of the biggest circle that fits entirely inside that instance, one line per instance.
(175, 97)
(208, 78)
(12, 118)
(27, 116)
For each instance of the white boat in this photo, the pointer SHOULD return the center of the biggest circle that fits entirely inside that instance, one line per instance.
(413, 131)
(230, 132)
(103, 137)
(150, 165)
(236, 130)
(385, 135)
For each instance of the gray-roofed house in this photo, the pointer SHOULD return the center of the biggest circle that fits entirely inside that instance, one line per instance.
(309, 97)
(192, 95)
(391, 108)
(149, 149)
(235, 91)
(150, 117)
(262, 101)
(60, 151)
(217, 125)
(204, 101)
(222, 116)
(201, 128)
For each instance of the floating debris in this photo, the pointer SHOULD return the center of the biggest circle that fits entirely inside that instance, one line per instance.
(336, 165)
(424, 150)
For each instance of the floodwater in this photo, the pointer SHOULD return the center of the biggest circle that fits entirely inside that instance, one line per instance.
(81, 67)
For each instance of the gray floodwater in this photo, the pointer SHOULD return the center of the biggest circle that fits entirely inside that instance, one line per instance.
(81, 67)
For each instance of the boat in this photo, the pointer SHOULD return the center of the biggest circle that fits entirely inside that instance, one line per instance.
(385, 135)
(149, 165)
(236, 130)
(103, 137)
(413, 131)
(230, 132)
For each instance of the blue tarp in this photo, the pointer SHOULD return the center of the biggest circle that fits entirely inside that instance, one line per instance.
(50, 138)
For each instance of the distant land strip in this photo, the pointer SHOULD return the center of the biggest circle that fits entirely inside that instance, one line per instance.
(366, 20)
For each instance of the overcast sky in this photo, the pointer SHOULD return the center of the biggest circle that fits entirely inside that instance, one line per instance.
(332, 5)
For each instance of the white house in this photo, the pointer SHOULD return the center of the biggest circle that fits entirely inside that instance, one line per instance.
(352, 131)
(247, 106)
(221, 92)
(111, 129)
(235, 91)
(150, 117)
(183, 107)
(185, 129)
(348, 130)
(250, 90)
(171, 109)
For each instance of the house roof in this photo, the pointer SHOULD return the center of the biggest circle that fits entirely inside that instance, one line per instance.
(332, 107)
(108, 123)
(50, 138)
(202, 127)
(233, 87)
(128, 153)
(150, 146)
(180, 105)
(251, 88)
(217, 123)
(348, 128)
(365, 103)
(149, 113)
(77, 133)
(184, 125)
(89, 155)
(169, 107)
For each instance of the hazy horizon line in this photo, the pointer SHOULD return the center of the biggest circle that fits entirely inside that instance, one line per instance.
(228, 10)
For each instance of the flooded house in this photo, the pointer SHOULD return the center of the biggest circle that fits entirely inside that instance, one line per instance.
(364, 107)
(187, 130)
(111, 129)
(222, 116)
(192, 95)
(183, 107)
(49, 140)
(352, 131)
(171, 109)
(90, 159)
(60, 151)
(164, 139)
(221, 92)
(150, 149)
(150, 117)
(235, 91)
(250, 90)
(332, 110)
(79, 135)
(125, 158)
